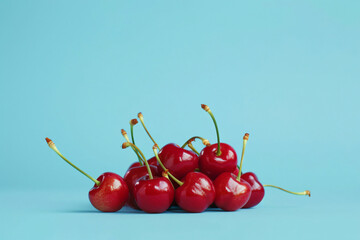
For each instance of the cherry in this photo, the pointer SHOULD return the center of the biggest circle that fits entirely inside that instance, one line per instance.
(134, 173)
(232, 192)
(177, 160)
(110, 191)
(152, 195)
(257, 189)
(217, 158)
(132, 176)
(111, 194)
(196, 192)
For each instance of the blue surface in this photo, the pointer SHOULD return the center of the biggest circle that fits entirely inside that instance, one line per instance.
(287, 72)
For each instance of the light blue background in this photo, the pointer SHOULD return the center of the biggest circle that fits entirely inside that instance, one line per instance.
(287, 72)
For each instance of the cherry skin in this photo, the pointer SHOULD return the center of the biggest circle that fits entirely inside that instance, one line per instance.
(177, 160)
(111, 194)
(257, 189)
(154, 195)
(131, 177)
(213, 165)
(196, 194)
(231, 194)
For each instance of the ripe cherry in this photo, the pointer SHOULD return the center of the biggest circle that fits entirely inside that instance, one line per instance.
(257, 189)
(232, 193)
(217, 158)
(135, 172)
(195, 193)
(132, 176)
(152, 194)
(110, 191)
(177, 160)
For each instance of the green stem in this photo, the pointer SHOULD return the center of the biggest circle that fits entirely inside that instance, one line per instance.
(93, 179)
(218, 152)
(192, 148)
(143, 124)
(164, 168)
(242, 158)
(145, 161)
(123, 132)
(306, 192)
(132, 133)
(192, 139)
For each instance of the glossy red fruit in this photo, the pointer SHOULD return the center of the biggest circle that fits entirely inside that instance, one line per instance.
(231, 194)
(196, 194)
(111, 194)
(154, 195)
(151, 161)
(131, 177)
(257, 189)
(213, 165)
(177, 160)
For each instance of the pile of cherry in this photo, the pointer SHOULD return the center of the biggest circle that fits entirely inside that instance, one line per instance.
(176, 176)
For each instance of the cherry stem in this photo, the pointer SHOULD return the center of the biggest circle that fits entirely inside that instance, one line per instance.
(140, 116)
(53, 147)
(306, 192)
(204, 141)
(133, 122)
(164, 168)
(192, 148)
(207, 109)
(126, 144)
(245, 139)
(123, 132)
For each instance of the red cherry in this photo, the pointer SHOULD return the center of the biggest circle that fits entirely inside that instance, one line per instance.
(213, 165)
(110, 191)
(111, 194)
(154, 195)
(196, 193)
(257, 189)
(177, 160)
(231, 194)
(131, 177)
(217, 158)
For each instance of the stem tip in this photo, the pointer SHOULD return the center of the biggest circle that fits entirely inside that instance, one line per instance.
(246, 136)
(48, 140)
(155, 146)
(205, 107)
(140, 115)
(206, 142)
(123, 132)
(307, 192)
(125, 145)
(133, 122)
